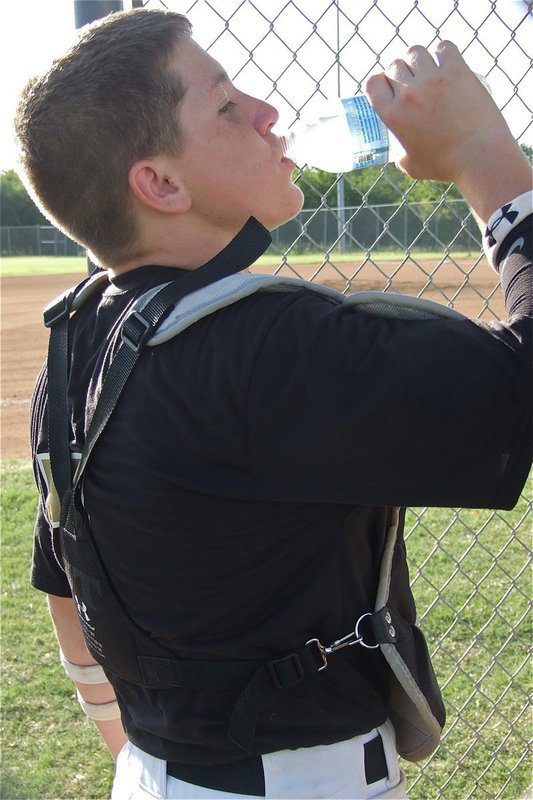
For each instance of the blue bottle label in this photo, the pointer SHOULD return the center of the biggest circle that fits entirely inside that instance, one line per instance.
(370, 138)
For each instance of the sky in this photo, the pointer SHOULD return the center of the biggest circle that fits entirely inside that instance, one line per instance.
(259, 43)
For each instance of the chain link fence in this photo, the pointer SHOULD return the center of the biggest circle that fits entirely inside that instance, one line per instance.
(313, 231)
(36, 240)
(470, 570)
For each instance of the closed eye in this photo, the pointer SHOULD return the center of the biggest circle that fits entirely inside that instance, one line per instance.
(229, 106)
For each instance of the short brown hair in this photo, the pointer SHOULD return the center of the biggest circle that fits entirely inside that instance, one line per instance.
(106, 103)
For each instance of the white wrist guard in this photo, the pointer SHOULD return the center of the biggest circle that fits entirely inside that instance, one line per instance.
(502, 222)
(81, 673)
(100, 711)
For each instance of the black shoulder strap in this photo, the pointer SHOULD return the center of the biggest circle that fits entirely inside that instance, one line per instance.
(56, 317)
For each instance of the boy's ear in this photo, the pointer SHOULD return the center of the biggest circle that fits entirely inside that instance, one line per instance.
(155, 183)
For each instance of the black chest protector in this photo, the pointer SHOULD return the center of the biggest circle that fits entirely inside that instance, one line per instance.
(129, 655)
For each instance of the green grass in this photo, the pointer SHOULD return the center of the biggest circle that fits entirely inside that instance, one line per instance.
(43, 265)
(49, 749)
(61, 265)
(470, 576)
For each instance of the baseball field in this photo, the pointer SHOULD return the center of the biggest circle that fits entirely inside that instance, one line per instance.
(470, 572)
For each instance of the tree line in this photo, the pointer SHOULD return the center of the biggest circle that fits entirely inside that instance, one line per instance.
(362, 186)
(16, 206)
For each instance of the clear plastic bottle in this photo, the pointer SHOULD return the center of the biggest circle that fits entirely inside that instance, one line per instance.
(345, 134)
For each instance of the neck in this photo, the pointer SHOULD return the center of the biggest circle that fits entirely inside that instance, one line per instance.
(237, 255)
(187, 246)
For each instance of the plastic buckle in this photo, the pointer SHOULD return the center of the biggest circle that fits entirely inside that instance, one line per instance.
(294, 660)
(134, 336)
(57, 309)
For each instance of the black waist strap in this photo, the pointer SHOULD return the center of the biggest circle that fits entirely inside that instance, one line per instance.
(247, 776)
(259, 679)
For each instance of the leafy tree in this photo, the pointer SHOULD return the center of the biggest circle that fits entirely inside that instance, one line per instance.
(17, 207)
(528, 150)
(424, 218)
(369, 186)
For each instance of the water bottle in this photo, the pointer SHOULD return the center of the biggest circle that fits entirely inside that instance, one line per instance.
(345, 134)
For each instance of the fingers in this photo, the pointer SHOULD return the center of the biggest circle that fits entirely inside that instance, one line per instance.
(382, 87)
(418, 60)
(400, 71)
(379, 90)
(447, 53)
(384, 90)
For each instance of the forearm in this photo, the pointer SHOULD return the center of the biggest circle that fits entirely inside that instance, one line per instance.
(102, 702)
(91, 685)
(498, 173)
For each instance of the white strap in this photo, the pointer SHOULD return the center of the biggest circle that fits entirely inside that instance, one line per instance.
(502, 222)
(233, 288)
(99, 711)
(83, 673)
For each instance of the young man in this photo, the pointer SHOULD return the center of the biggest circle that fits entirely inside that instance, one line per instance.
(242, 495)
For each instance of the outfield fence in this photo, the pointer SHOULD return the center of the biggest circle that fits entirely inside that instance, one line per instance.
(471, 570)
(395, 226)
(36, 240)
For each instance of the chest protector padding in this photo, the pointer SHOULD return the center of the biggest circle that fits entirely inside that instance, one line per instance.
(130, 656)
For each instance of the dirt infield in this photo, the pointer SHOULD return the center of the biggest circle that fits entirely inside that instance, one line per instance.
(24, 339)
